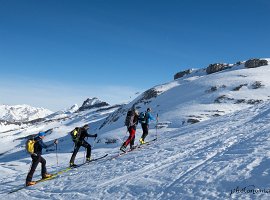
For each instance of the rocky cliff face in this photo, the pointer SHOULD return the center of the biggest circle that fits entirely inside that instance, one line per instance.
(92, 103)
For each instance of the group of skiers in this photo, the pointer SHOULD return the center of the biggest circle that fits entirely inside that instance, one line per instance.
(78, 136)
(132, 120)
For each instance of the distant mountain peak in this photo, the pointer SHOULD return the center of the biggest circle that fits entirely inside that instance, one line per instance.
(22, 113)
(94, 102)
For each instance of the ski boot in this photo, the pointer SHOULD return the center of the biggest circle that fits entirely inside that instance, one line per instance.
(46, 176)
(30, 183)
(123, 148)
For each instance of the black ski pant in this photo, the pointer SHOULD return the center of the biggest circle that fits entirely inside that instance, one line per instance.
(77, 147)
(35, 160)
(145, 128)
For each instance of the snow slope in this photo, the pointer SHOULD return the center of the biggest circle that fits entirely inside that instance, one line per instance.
(223, 154)
(206, 160)
(199, 97)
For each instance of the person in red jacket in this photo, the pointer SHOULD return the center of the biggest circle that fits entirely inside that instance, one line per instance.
(131, 126)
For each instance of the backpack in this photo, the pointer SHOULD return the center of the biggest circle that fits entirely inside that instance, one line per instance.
(142, 118)
(130, 113)
(29, 145)
(75, 134)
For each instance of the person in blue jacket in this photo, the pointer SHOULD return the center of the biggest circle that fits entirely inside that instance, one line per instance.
(37, 158)
(145, 124)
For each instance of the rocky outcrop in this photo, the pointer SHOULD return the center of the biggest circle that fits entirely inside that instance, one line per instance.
(257, 85)
(192, 121)
(216, 67)
(92, 103)
(239, 87)
(223, 99)
(182, 73)
(253, 63)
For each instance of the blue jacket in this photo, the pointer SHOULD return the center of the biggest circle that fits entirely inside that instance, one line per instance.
(39, 145)
(149, 117)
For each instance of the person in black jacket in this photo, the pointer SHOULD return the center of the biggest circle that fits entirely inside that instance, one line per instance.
(37, 158)
(82, 133)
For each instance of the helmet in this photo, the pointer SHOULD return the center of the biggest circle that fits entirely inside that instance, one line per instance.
(41, 134)
(149, 109)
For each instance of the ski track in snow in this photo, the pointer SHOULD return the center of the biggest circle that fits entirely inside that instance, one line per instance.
(205, 161)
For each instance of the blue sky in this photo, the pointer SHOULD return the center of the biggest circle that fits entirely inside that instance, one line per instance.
(55, 53)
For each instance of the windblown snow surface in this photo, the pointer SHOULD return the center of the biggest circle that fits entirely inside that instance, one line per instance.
(221, 157)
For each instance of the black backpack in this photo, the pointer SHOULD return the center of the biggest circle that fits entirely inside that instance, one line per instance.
(142, 118)
(130, 113)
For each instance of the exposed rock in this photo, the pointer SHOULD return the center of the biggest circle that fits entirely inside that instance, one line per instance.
(238, 63)
(257, 84)
(212, 89)
(146, 96)
(222, 99)
(239, 87)
(182, 73)
(216, 67)
(215, 88)
(193, 121)
(253, 63)
(244, 76)
(92, 103)
(250, 101)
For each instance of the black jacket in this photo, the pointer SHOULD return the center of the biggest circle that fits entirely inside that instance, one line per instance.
(83, 134)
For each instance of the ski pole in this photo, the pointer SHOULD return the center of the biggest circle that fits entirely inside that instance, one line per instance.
(84, 152)
(94, 143)
(56, 151)
(156, 126)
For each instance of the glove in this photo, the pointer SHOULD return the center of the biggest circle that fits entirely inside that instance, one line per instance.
(55, 141)
(95, 135)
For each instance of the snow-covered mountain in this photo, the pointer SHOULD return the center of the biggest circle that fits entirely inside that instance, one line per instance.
(22, 113)
(212, 143)
(200, 95)
(63, 113)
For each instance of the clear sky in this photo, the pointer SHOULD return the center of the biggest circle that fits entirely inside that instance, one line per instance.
(55, 53)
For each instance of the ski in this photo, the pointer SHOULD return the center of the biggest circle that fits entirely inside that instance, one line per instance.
(38, 181)
(150, 141)
(134, 148)
(95, 159)
(55, 175)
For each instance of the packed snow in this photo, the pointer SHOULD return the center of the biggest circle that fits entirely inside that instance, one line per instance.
(222, 156)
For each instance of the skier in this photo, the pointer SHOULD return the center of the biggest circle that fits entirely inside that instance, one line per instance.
(131, 123)
(82, 133)
(145, 124)
(37, 158)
